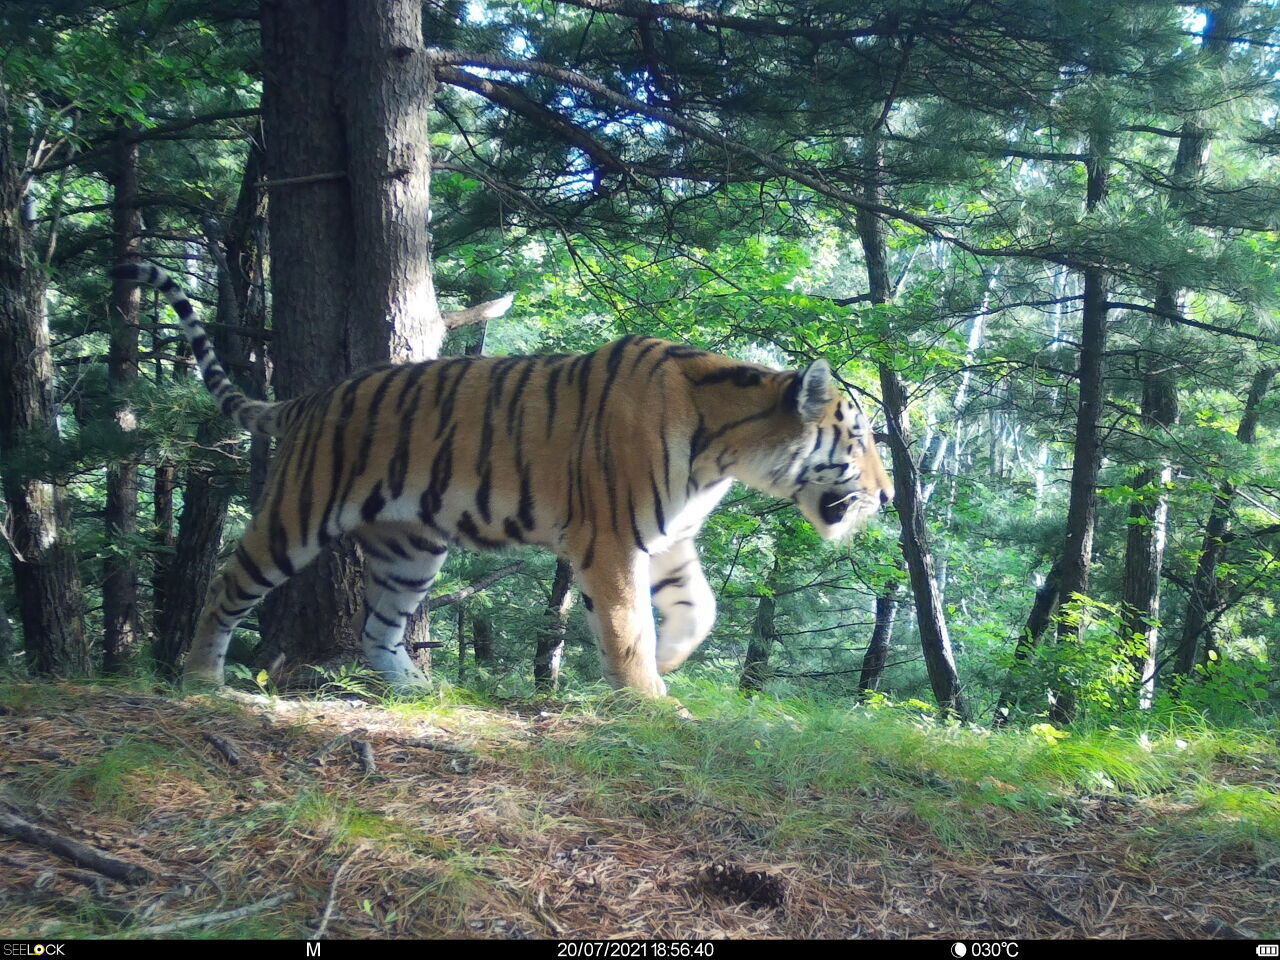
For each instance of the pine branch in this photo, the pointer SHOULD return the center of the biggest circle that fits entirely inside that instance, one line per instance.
(475, 587)
(1187, 321)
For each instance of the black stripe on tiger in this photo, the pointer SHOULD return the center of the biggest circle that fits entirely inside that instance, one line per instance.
(252, 415)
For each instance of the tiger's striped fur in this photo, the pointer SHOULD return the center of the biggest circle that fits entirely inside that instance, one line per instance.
(613, 459)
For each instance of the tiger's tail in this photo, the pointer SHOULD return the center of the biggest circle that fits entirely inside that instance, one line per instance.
(252, 415)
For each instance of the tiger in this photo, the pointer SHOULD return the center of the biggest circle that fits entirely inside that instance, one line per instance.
(612, 459)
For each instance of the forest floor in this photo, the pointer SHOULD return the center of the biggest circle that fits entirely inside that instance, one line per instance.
(268, 817)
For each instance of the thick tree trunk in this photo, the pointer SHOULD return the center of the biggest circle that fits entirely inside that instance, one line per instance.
(1205, 596)
(45, 575)
(385, 90)
(908, 498)
(314, 617)
(385, 93)
(877, 654)
(755, 668)
(120, 569)
(550, 652)
(346, 88)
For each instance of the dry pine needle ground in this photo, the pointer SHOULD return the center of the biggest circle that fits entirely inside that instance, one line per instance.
(270, 818)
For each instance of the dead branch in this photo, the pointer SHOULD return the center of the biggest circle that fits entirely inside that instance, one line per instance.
(79, 853)
(222, 917)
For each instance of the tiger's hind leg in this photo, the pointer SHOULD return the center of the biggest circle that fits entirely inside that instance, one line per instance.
(401, 566)
(682, 595)
(615, 593)
(259, 564)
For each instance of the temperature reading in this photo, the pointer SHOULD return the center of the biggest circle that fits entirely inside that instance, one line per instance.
(980, 949)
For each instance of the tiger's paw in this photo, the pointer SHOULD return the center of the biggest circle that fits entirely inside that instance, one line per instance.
(406, 684)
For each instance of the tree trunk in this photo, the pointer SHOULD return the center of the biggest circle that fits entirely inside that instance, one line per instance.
(314, 616)
(1087, 456)
(385, 94)
(1205, 596)
(877, 654)
(162, 513)
(908, 500)
(1038, 620)
(120, 569)
(460, 625)
(482, 640)
(210, 477)
(935, 639)
(346, 87)
(550, 652)
(246, 254)
(1145, 540)
(1149, 513)
(755, 669)
(209, 484)
(45, 575)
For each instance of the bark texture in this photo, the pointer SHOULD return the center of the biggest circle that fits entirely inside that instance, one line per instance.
(165, 482)
(210, 481)
(120, 568)
(877, 654)
(1082, 508)
(45, 575)
(346, 87)
(385, 91)
(755, 668)
(315, 616)
(550, 652)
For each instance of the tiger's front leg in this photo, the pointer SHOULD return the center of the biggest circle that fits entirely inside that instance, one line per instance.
(615, 593)
(682, 595)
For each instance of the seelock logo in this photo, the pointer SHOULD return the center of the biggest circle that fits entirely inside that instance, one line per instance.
(35, 949)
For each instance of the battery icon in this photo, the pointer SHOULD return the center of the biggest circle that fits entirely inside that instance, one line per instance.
(1269, 949)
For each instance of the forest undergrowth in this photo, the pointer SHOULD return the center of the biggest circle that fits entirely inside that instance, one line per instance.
(462, 815)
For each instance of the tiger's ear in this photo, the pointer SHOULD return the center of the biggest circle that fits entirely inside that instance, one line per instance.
(811, 391)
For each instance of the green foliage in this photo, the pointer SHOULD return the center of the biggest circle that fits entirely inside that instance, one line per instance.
(796, 772)
(728, 254)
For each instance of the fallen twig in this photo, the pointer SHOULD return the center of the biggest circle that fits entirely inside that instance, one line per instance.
(221, 917)
(424, 744)
(80, 853)
(333, 892)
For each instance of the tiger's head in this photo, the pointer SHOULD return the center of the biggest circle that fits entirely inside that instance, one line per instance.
(823, 455)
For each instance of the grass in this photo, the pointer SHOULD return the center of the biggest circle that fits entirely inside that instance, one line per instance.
(120, 781)
(766, 761)
(569, 815)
